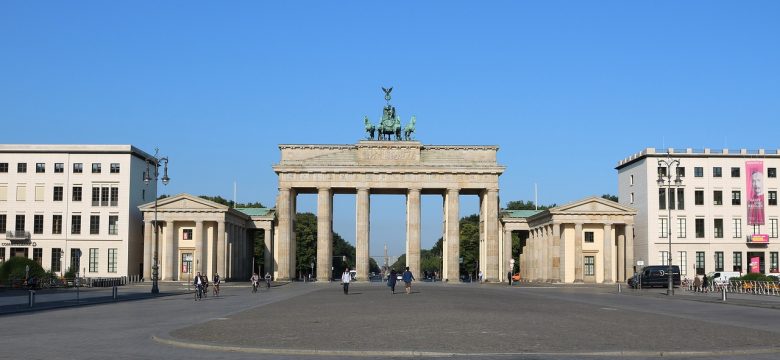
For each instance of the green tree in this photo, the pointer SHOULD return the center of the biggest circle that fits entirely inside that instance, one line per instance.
(526, 205)
(610, 197)
(469, 244)
(220, 200)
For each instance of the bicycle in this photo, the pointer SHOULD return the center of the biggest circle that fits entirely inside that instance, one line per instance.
(216, 289)
(254, 287)
(198, 292)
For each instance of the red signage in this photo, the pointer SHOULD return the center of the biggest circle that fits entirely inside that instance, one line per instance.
(758, 239)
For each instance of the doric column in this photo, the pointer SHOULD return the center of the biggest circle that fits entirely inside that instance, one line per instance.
(283, 244)
(324, 233)
(507, 252)
(608, 244)
(629, 250)
(268, 251)
(362, 228)
(413, 231)
(172, 252)
(451, 246)
(221, 264)
(229, 250)
(556, 257)
(532, 255)
(148, 244)
(200, 249)
(491, 235)
(578, 260)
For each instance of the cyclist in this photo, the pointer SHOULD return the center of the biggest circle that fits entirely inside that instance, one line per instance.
(267, 281)
(205, 280)
(216, 284)
(255, 281)
(198, 287)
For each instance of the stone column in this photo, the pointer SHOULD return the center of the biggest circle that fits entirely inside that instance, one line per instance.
(578, 260)
(362, 229)
(268, 251)
(491, 236)
(172, 251)
(451, 246)
(608, 244)
(229, 250)
(283, 245)
(557, 254)
(148, 243)
(507, 253)
(531, 255)
(221, 264)
(324, 234)
(629, 250)
(620, 261)
(413, 232)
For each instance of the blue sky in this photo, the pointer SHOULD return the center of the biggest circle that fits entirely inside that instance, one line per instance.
(564, 88)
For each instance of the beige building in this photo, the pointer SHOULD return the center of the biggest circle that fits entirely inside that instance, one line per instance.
(584, 241)
(198, 235)
(61, 201)
(708, 212)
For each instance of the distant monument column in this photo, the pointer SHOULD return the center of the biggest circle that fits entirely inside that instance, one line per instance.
(608, 245)
(362, 228)
(491, 235)
(558, 254)
(578, 260)
(324, 233)
(172, 251)
(283, 245)
(200, 249)
(451, 248)
(148, 250)
(413, 231)
(629, 250)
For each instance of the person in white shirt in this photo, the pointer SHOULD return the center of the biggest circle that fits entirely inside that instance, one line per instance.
(345, 278)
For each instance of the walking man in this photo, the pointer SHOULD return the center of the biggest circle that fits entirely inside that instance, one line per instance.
(345, 278)
(408, 277)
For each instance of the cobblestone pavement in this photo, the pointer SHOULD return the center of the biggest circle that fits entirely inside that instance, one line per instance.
(317, 321)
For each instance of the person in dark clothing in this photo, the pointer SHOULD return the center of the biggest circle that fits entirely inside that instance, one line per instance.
(391, 280)
(705, 283)
(408, 277)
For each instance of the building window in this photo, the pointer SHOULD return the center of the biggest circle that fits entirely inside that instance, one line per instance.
(773, 198)
(114, 196)
(699, 223)
(773, 228)
(718, 228)
(37, 224)
(662, 230)
(590, 265)
(632, 198)
(56, 224)
(59, 167)
(661, 199)
(700, 263)
(698, 197)
(112, 260)
(717, 197)
(737, 258)
(186, 262)
(719, 261)
(113, 224)
(104, 196)
(683, 263)
(771, 172)
(38, 256)
(662, 171)
(40, 168)
(2, 254)
(698, 171)
(3, 223)
(680, 199)
(93, 260)
(75, 259)
(717, 172)
(58, 193)
(96, 168)
(3, 167)
(20, 220)
(737, 228)
(77, 193)
(75, 224)
(681, 228)
(735, 172)
(56, 260)
(21, 168)
(664, 257)
(631, 179)
(186, 234)
(671, 199)
(773, 262)
(95, 196)
(78, 168)
(680, 171)
(39, 192)
(736, 197)
(115, 168)
(94, 224)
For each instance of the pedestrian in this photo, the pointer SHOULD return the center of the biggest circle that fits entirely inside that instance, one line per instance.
(696, 283)
(480, 276)
(705, 283)
(408, 277)
(268, 281)
(391, 280)
(216, 281)
(345, 278)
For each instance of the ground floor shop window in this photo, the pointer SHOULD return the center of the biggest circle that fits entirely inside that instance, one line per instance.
(719, 261)
(700, 263)
(112, 260)
(590, 265)
(737, 261)
(773, 262)
(93, 260)
(756, 262)
(186, 263)
(683, 263)
(38, 256)
(56, 260)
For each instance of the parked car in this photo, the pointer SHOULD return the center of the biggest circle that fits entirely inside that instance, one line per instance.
(722, 277)
(655, 275)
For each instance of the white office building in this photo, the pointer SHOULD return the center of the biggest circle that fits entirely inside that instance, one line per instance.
(61, 201)
(723, 212)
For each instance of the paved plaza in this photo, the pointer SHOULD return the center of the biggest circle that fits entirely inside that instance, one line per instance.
(310, 320)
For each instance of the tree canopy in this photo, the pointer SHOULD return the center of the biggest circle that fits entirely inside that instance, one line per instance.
(526, 205)
(220, 200)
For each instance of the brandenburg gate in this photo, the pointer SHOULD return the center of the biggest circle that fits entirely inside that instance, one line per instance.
(388, 167)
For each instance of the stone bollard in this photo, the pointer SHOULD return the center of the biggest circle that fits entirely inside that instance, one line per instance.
(31, 298)
(115, 293)
(620, 289)
(723, 294)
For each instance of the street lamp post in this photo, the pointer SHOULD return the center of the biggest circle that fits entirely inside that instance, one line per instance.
(154, 162)
(665, 179)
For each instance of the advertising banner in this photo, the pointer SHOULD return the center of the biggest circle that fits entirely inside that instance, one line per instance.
(759, 239)
(755, 264)
(754, 174)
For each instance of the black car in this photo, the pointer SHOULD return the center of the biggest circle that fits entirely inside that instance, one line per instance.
(655, 275)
